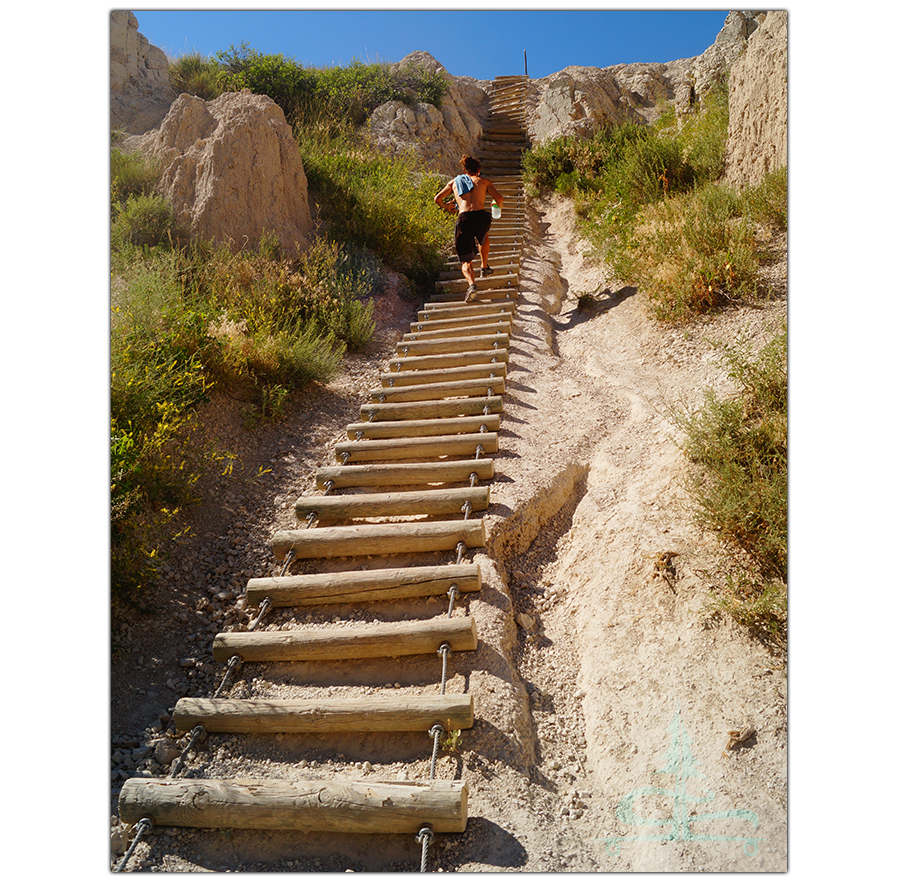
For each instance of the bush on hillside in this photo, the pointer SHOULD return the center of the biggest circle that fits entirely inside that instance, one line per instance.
(738, 446)
(353, 91)
(196, 75)
(132, 174)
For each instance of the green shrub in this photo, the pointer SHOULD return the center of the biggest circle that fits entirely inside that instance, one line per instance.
(196, 75)
(353, 91)
(740, 445)
(378, 203)
(690, 254)
(281, 79)
(132, 175)
(704, 134)
(739, 486)
(767, 202)
(145, 220)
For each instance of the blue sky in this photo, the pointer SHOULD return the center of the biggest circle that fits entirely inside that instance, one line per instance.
(499, 41)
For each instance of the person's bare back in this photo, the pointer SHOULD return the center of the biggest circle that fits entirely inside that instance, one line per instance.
(473, 200)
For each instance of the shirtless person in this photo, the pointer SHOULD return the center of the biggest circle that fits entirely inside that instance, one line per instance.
(473, 221)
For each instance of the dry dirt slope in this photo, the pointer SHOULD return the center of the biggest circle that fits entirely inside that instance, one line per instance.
(604, 697)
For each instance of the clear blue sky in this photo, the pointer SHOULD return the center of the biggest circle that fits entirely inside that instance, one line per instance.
(499, 38)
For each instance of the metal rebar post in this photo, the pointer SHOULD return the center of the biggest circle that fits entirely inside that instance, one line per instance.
(436, 732)
(287, 561)
(197, 735)
(424, 838)
(233, 664)
(144, 826)
(264, 608)
(444, 653)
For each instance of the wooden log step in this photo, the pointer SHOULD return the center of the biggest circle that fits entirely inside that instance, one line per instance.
(431, 409)
(317, 589)
(488, 316)
(359, 540)
(465, 310)
(507, 116)
(454, 359)
(424, 427)
(430, 377)
(366, 714)
(477, 326)
(505, 280)
(473, 325)
(414, 448)
(357, 642)
(484, 296)
(314, 805)
(452, 343)
(424, 502)
(508, 240)
(496, 255)
(409, 474)
(454, 272)
(464, 388)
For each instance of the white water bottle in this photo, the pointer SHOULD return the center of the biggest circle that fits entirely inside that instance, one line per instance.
(495, 211)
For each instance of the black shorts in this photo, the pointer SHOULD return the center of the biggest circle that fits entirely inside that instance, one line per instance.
(471, 226)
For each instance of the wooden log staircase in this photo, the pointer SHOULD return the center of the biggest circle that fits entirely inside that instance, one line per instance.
(423, 448)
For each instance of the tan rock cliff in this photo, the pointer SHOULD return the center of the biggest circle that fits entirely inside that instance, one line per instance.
(757, 104)
(232, 171)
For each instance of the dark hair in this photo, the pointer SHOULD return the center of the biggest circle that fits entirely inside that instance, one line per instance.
(470, 164)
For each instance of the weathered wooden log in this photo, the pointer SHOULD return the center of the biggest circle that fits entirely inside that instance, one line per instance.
(452, 343)
(447, 325)
(356, 642)
(466, 310)
(410, 474)
(500, 257)
(423, 427)
(484, 296)
(466, 388)
(360, 505)
(414, 448)
(431, 409)
(444, 374)
(452, 359)
(365, 539)
(500, 280)
(367, 714)
(477, 328)
(500, 266)
(314, 589)
(317, 805)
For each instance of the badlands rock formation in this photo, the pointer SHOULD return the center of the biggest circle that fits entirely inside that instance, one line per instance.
(757, 104)
(581, 100)
(439, 136)
(140, 92)
(232, 171)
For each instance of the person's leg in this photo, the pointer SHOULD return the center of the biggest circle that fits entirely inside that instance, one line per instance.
(465, 249)
(484, 249)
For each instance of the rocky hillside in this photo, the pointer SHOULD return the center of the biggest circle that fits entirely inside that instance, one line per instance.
(235, 151)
